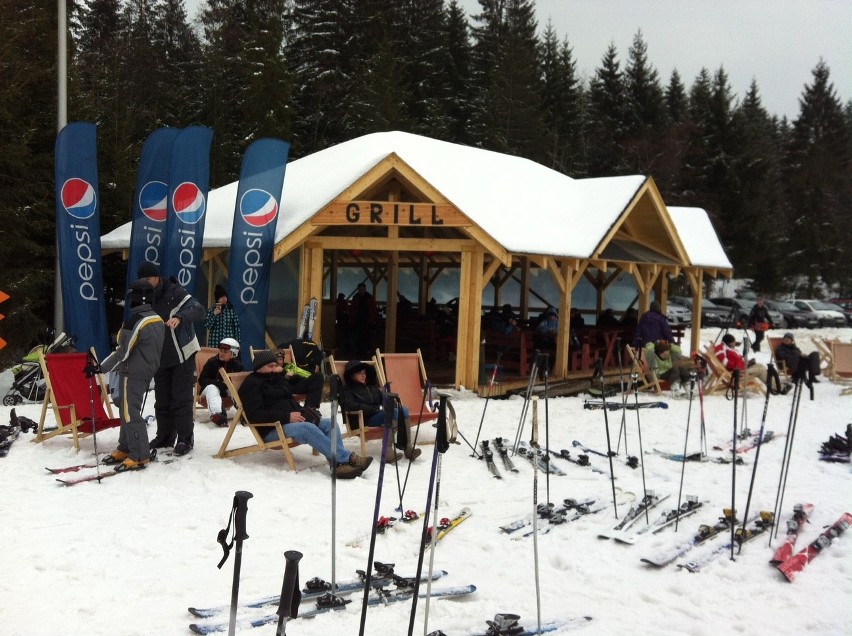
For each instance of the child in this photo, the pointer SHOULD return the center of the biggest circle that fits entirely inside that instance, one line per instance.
(137, 357)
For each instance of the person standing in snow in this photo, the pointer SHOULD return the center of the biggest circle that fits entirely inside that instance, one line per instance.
(137, 357)
(759, 320)
(221, 320)
(653, 326)
(174, 382)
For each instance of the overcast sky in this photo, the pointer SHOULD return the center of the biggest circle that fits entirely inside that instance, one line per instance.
(776, 42)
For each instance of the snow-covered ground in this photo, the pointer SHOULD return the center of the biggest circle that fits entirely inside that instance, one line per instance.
(129, 555)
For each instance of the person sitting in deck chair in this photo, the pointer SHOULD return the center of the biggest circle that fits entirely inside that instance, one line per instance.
(732, 360)
(267, 397)
(211, 384)
(668, 362)
(361, 392)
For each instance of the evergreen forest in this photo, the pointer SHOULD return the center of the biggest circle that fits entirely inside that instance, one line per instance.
(319, 72)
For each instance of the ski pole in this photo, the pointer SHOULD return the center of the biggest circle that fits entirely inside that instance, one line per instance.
(788, 449)
(485, 406)
(756, 456)
(546, 428)
(443, 437)
(685, 443)
(635, 378)
(525, 408)
(534, 446)
(333, 391)
(238, 516)
(291, 595)
(90, 370)
(624, 394)
(599, 371)
(703, 435)
(368, 578)
(736, 389)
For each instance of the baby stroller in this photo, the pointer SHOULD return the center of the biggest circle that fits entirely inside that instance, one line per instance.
(28, 384)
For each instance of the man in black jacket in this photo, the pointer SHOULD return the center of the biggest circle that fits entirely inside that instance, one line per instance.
(174, 382)
(267, 397)
(759, 320)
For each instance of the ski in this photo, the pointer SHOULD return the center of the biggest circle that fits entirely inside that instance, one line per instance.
(70, 469)
(615, 405)
(801, 512)
(705, 533)
(316, 587)
(82, 480)
(579, 444)
(543, 460)
(312, 317)
(582, 510)
(696, 457)
(547, 512)
(508, 464)
(649, 501)
(447, 525)
(382, 597)
(8, 435)
(581, 460)
(797, 562)
(303, 323)
(687, 508)
(488, 456)
(749, 444)
(509, 625)
(743, 535)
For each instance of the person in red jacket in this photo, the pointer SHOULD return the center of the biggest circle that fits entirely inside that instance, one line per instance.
(732, 359)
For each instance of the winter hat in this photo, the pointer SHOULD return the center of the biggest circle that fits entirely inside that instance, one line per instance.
(148, 270)
(789, 335)
(662, 346)
(262, 358)
(655, 306)
(353, 366)
(218, 292)
(140, 292)
(729, 339)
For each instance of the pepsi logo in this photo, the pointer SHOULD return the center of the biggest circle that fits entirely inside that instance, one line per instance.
(258, 208)
(79, 198)
(153, 200)
(188, 202)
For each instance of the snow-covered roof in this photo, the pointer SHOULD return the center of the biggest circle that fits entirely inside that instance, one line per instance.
(699, 238)
(524, 206)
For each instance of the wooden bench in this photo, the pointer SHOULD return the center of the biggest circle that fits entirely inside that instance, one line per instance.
(514, 347)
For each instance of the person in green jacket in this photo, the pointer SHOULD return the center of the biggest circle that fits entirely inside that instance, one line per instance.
(667, 361)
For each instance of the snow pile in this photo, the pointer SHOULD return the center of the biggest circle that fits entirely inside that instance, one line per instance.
(129, 555)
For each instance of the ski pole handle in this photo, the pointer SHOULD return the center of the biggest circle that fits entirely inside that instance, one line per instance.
(241, 498)
(291, 595)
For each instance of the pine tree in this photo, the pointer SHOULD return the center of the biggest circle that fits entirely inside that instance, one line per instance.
(606, 130)
(645, 110)
(458, 72)
(820, 185)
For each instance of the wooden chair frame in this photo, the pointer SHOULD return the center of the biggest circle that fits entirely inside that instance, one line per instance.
(722, 378)
(825, 348)
(402, 370)
(841, 353)
(201, 358)
(363, 432)
(73, 417)
(647, 379)
(234, 381)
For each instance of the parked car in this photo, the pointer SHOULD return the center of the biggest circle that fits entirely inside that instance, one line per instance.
(793, 316)
(738, 308)
(828, 316)
(678, 314)
(845, 305)
(712, 315)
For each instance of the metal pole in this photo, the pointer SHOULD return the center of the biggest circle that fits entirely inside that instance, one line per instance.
(61, 120)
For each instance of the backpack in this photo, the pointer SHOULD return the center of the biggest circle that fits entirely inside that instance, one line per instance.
(306, 353)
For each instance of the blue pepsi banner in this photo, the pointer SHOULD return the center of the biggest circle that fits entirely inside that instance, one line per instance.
(189, 180)
(150, 203)
(78, 232)
(253, 235)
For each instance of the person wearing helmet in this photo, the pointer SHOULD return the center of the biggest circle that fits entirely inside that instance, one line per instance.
(210, 382)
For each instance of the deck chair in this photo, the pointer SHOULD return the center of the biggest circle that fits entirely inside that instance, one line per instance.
(774, 341)
(201, 359)
(407, 376)
(721, 379)
(826, 355)
(234, 381)
(68, 393)
(362, 432)
(647, 379)
(841, 353)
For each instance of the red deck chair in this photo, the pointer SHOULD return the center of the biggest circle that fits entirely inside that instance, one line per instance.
(68, 394)
(407, 376)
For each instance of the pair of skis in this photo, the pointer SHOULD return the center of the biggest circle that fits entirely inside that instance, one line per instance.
(381, 596)
(488, 455)
(795, 563)
(509, 625)
(705, 534)
(309, 317)
(619, 532)
(73, 481)
(570, 510)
